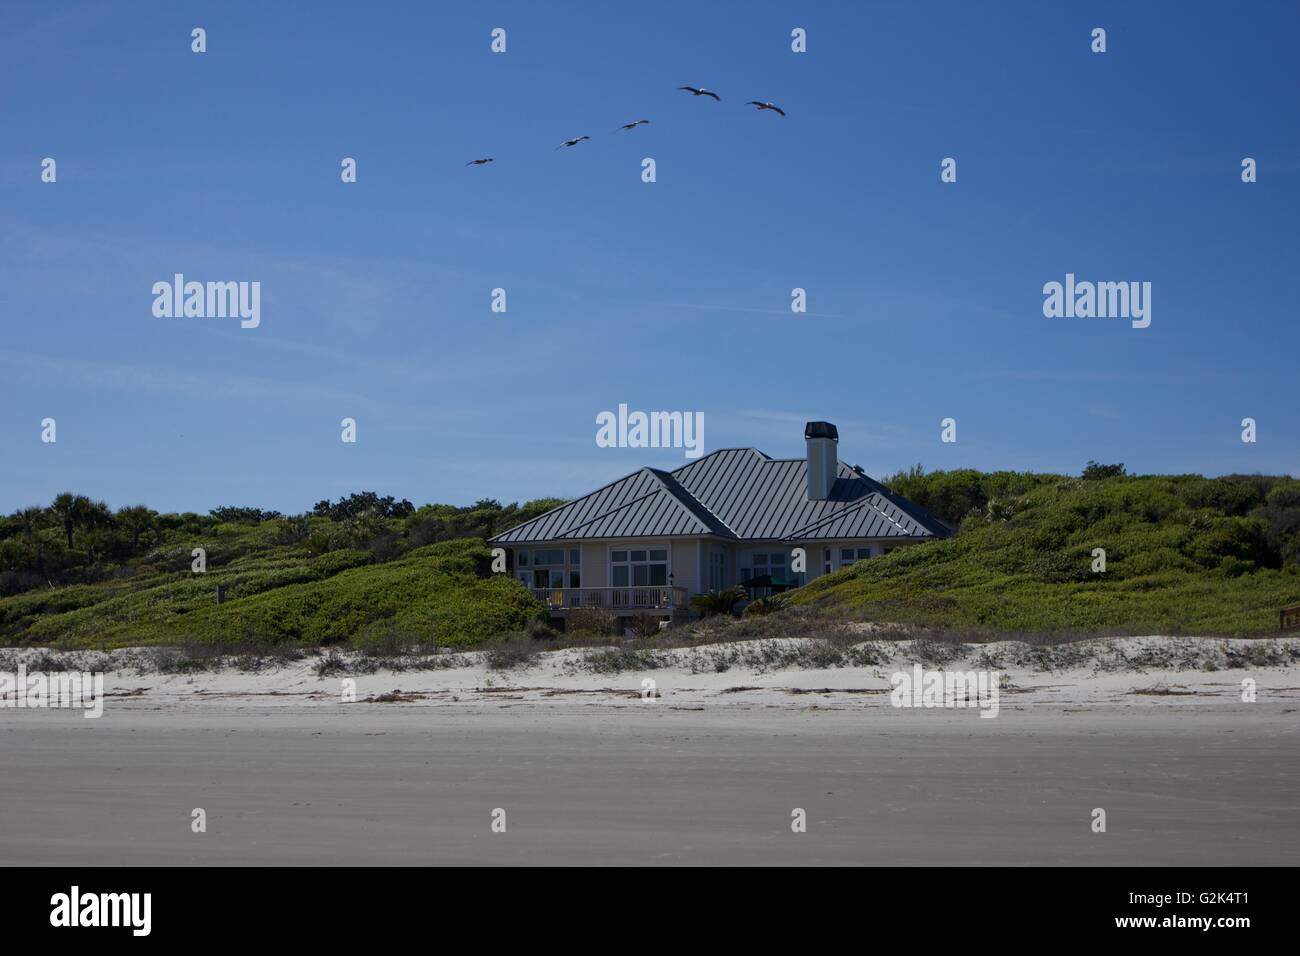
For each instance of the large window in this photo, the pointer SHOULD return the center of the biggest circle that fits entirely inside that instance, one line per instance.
(774, 563)
(638, 567)
(767, 562)
(853, 555)
(549, 567)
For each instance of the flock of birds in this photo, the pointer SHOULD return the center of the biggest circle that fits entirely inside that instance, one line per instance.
(693, 90)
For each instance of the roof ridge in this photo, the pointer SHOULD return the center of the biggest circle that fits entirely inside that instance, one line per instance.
(612, 511)
(857, 505)
(718, 451)
(679, 492)
(570, 502)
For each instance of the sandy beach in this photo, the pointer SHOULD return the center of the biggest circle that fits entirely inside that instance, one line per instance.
(701, 767)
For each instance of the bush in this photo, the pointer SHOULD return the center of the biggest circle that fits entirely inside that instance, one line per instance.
(595, 621)
(718, 602)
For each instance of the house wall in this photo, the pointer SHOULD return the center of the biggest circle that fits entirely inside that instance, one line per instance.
(816, 562)
(595, 564)
(684, 563)
(688, 558)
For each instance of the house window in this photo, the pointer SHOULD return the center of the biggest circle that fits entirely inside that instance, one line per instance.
(826, 560)
(639, 567)
(549, 569)
(766, 562)
(847, 555)
(717, 569)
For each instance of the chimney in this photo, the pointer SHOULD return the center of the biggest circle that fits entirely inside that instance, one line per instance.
(823, 442)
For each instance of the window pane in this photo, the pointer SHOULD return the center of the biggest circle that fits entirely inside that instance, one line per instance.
(746, 574)
(637, 555)
(659, 554)
(864, 553)
(658, 574)
(640, 575)
(846, 554)
(760, 559)
(619, 555)
(620, 576)
(523, 559)
(777, 560)
(574, 580)
(573, 556)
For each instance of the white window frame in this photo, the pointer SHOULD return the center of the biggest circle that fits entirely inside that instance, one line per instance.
(647, 547)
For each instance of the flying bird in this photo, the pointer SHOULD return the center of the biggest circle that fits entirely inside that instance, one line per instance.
(632, 125)
(572, 142)
(700, 91)
(766, 106)
(479, 162)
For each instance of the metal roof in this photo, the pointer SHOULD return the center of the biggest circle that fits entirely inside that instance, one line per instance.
(736, 493)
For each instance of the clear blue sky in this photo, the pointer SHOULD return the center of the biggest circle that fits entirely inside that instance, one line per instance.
(924, 299)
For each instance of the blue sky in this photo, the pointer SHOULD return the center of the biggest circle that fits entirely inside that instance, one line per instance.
(924, 299)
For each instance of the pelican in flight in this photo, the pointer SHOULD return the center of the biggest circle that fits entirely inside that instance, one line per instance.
(479, 162)
(766, 106)
(700, 91)
(572, 142)
(633, 125)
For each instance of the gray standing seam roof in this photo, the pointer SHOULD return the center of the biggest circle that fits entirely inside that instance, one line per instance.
(734, 493)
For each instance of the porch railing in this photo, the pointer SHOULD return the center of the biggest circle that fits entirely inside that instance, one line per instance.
(657, 597)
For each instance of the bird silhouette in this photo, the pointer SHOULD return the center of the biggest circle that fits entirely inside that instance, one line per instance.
(572, 142)
(479, 162)
(766, 106)
(632, 125)
(700, 91)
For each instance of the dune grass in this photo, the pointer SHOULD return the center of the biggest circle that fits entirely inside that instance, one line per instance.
(1183, 555)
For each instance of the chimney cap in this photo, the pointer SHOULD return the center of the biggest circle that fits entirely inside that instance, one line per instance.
(821, 430)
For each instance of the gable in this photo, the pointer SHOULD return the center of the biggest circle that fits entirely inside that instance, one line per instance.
(644, 504)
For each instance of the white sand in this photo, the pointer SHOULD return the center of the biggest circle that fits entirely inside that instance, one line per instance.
(1187, 672)
(709, 773)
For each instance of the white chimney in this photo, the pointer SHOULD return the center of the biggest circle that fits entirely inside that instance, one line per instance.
(823, 442)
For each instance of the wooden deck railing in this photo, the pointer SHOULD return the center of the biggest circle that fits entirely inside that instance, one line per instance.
(659, 597)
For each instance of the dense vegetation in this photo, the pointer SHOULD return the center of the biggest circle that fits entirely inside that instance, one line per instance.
(1183, 554)
(362, 568)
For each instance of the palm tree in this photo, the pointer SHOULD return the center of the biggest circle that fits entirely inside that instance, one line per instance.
(718, 602)
(29, 519)
(137, 519)
(97, 519)
(70, 510)
(78, 511)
